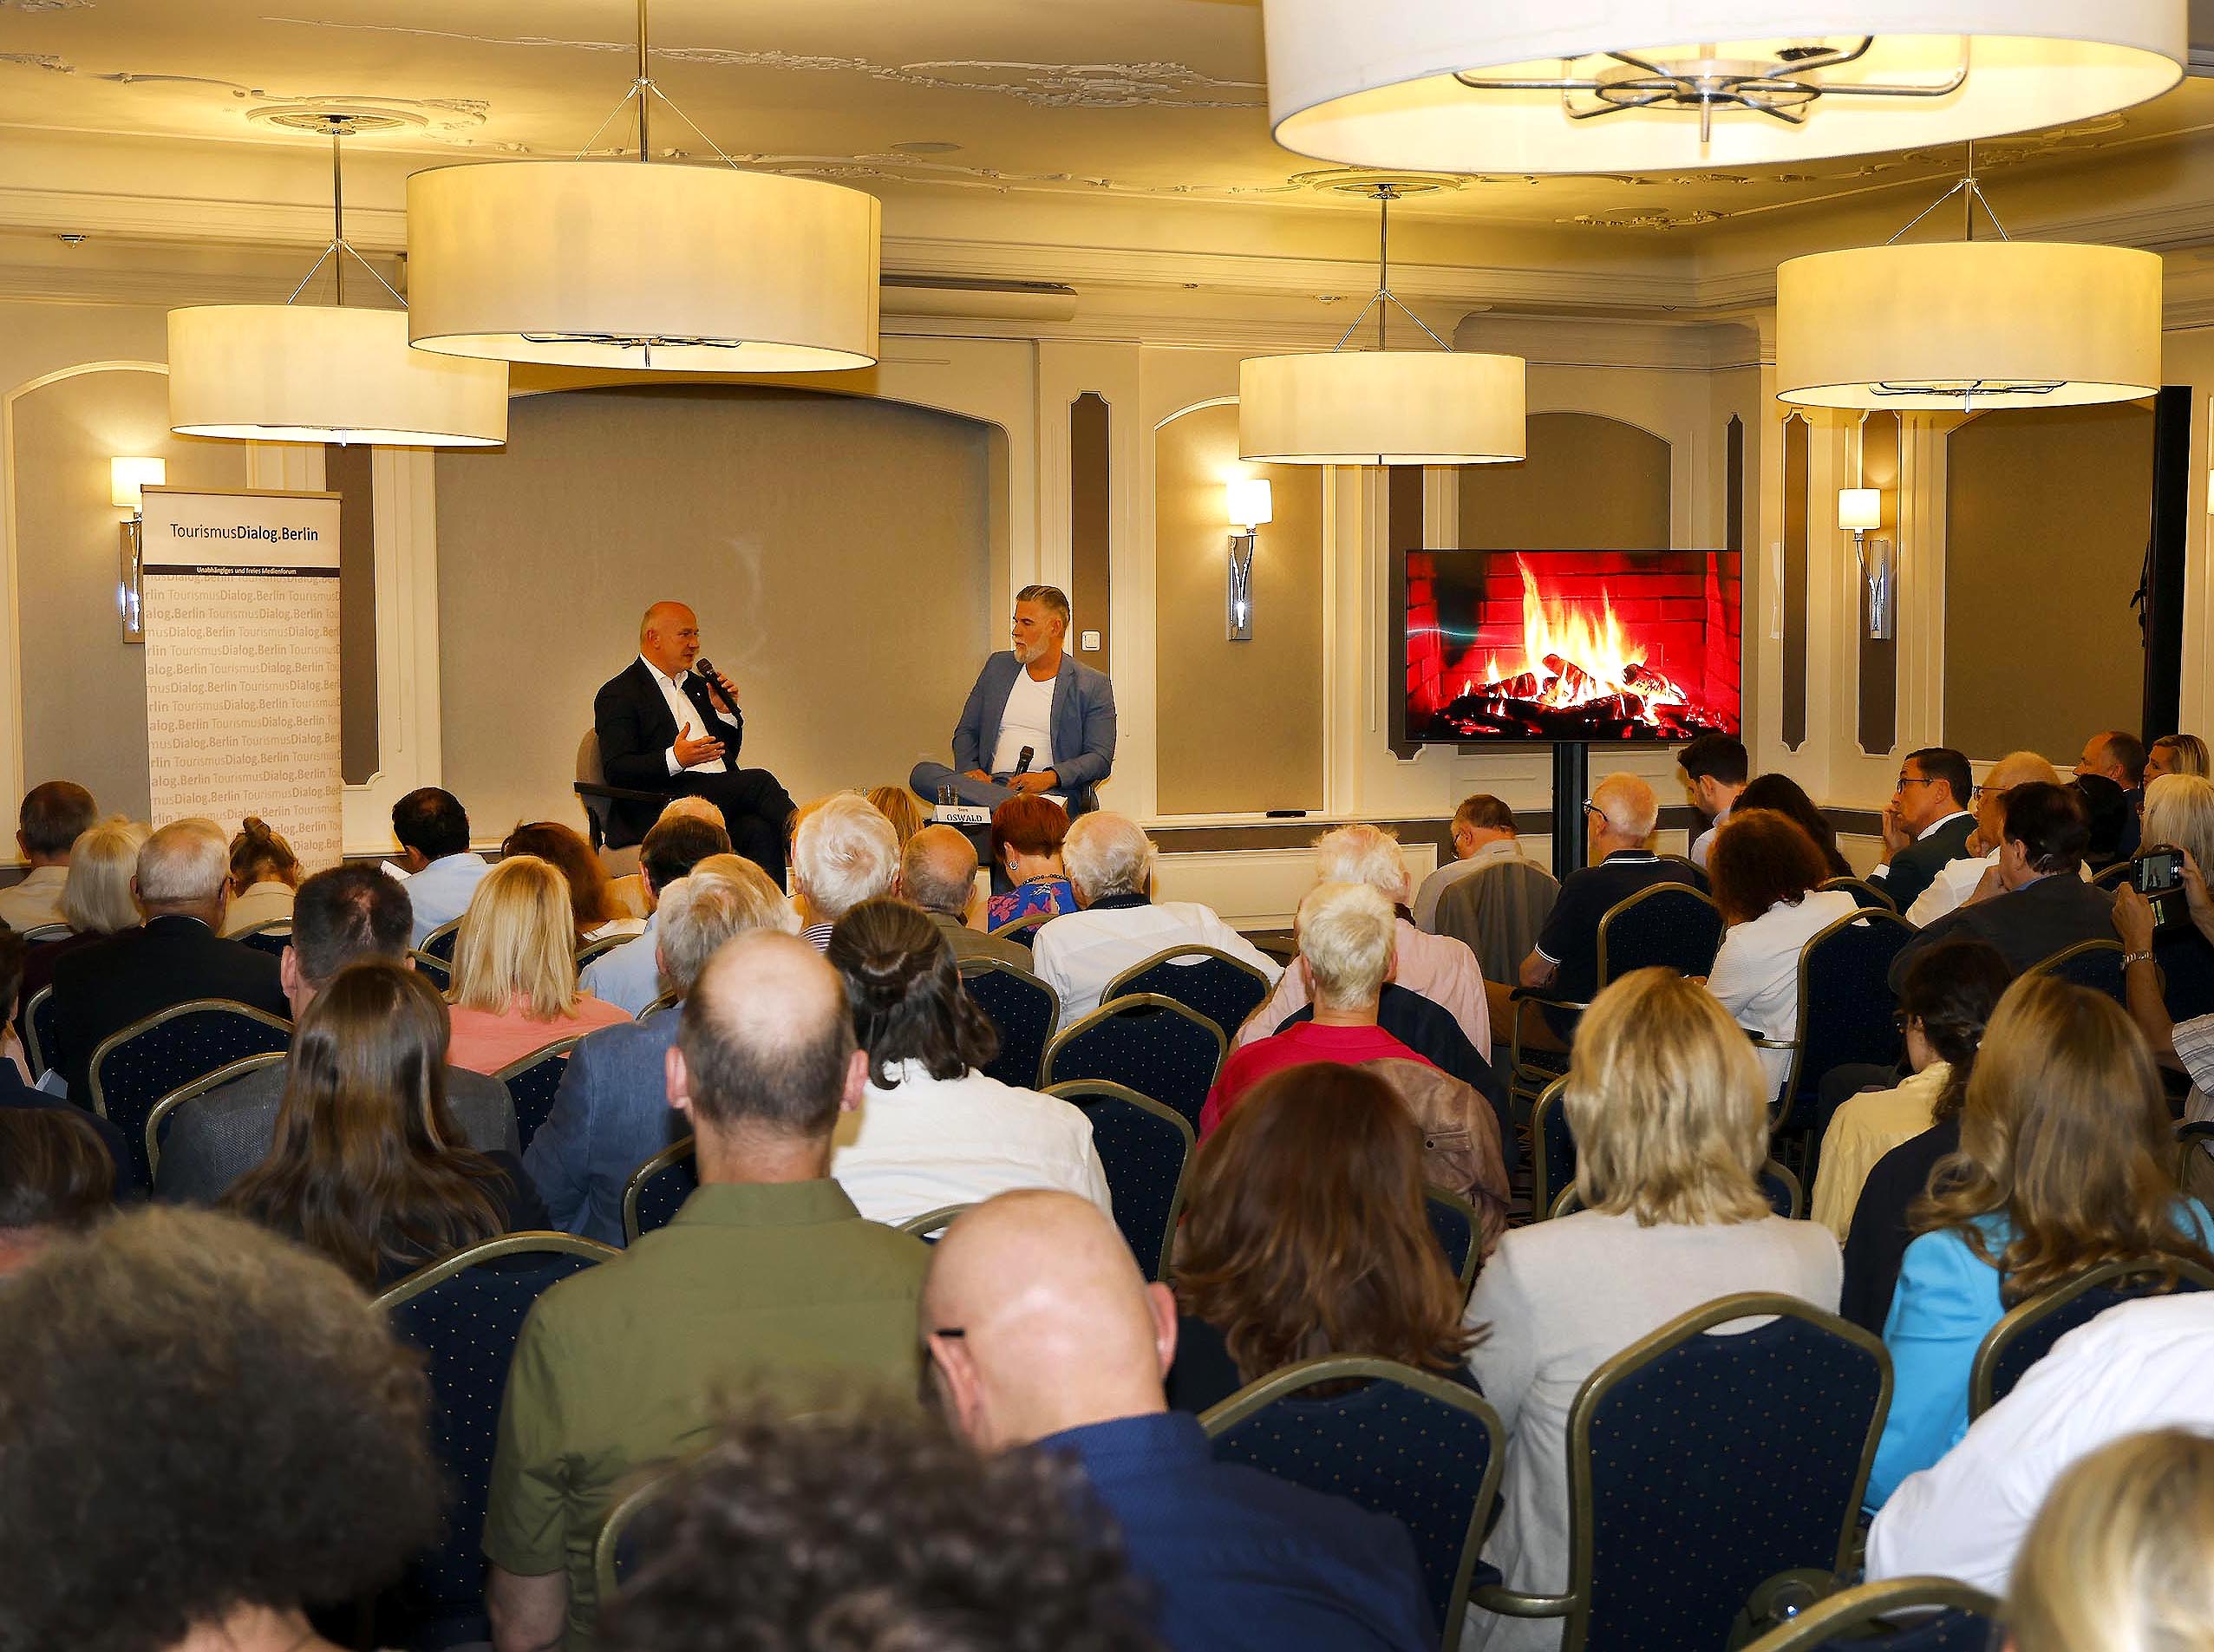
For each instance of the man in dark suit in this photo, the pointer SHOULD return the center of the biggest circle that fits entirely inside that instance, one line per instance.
(2034, 902)
(1926, 824)
(666, 728)
(178, 953)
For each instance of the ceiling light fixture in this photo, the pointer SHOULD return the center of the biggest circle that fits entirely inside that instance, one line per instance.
(668, 268)
(324, 373)
(1381, 406)
(1967, 326)
(1647, 85)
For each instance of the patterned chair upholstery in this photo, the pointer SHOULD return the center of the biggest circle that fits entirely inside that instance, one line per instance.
(1147, 1043)
(166, 1110)
(1024, 931)
(930, 1224)
(1223, 989)
(591, 950)
(1022, 1007)
(133, 1069)
(1552, 1168)
(1144, 1148)
(1701, 1466)
(657, 1190)
(1787, 1197)
(465, 1314)
(1870, 898)
(533, 1079)
(1671, 926)
(1402, 1443)
(2028, 1332)
(2095, 964)
(441, 941)
(1853, 1620)
(1454, 1221)
(1845, 1006)
(614, 1551)
(433, 969)
(271, 938)
(2186, 961)
(38, 1031)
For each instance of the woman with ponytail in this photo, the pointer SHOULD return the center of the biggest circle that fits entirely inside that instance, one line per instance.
(932, 1130)
(264, 873)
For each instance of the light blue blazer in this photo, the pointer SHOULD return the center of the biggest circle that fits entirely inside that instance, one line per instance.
(1083, 725)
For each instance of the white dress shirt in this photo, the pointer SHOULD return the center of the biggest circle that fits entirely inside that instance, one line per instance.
(687, 715)
(1434, 886)
(440, 892)
(2136, 1368)
(1078, 953)
(1955, 882)
(925, 1143)
(1756, 971)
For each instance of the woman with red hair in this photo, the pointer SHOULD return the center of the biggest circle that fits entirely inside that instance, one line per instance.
(1027, 834)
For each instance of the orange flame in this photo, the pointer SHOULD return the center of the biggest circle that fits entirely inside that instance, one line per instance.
(1590, 656)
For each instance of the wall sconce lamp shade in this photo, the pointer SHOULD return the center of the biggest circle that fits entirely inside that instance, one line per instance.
(1861, 508)
(1250, 502)
(1381, 408)
(126, 476)
(672, 268)
(1967, 326)
(1512, 86)
(321, 374)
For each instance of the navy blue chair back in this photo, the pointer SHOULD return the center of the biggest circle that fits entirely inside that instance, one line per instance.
(1150, 1044)
(533, 1081)
(1894, 1615)
(1453, 1222)
(433, 969)
(2026, 1332)
(1845, 1004)
(2095, 964)
(133, 1069)
(1022, 1007)
(1554, 1169)
(271, 938)
(1217, 986)
(440, 942)
(1670, 925)
(1864, 894)
(39, 1023)
(1783, 1191)
(1146, 1150)
(465, 1315)
(1024, 931)
(658, 1189)
(1402, 1443)
(2186, 961)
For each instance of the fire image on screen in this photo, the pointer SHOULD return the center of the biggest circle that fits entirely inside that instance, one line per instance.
(1594, 645)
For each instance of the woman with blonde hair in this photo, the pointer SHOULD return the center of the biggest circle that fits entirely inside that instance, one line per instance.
(515, 968)
(2065, 1149)
(264, 873)
(902, 808)
(2179, 815)
(2117, 1559)
(1668, 1105)
(2176, 755)
(96, 898)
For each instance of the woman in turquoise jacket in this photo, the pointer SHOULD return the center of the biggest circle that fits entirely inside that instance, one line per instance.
(2064, 1165)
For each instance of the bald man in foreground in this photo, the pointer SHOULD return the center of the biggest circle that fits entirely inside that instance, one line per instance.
(1041, 1332)
(668, 728)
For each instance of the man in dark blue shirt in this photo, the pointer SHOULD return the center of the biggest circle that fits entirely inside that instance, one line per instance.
(1041, 1332)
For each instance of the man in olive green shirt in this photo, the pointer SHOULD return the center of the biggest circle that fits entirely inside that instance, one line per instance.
(767, 1283)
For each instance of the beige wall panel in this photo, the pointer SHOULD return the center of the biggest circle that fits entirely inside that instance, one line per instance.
(1240, 727)
(1590, 484)
(837, 550)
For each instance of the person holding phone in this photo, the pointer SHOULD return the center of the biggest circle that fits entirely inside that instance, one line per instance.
(2185, 1046)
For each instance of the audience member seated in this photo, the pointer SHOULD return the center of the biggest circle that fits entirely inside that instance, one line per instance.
(795, 1536)
(1437, 967)
(767, 1280)
(932, 1130)
(612, 1111)
(938, 873)
(2118, 755)
(1926, 824)
(1118, 922)
(1041, 1332)
(1482, 832)
(2112, 818)
(900, 806)
(1715, 769)
(2179, 814)
(1788, 797)
(515, 968)
(18, 1094)
(1767, 875)
(843, 852)
(2117, 1559)
(96, 900)
(1957, 880)
(592, 906)
(1305, 1234)
(54, 815)
(1948, 995)
(177, 955)
(1665, 1100)
(2139, 1366)
(630, 890)
(432, 831)
(344, 915)
(56, 1179)
(240, 1436)
(265, 872)
(2175, 755)
(359, 1167)
(2065, 1148)
(1027, 835)
(2034, 902)
(629, 977)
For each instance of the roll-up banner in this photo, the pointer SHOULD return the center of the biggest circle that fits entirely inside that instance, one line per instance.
(241, 607)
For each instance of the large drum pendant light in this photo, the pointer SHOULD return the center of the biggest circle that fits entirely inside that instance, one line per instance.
(1536, 85)
(325, 373)
(1381, 406)
(668, 268)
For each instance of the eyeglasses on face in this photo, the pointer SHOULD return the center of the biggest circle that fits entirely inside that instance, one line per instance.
(1590, 807)
(1906, 780)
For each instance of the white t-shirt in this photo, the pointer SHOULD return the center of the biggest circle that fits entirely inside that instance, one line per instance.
(1026, 719)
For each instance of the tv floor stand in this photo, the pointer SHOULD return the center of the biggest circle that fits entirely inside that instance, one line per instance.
(1571, 788)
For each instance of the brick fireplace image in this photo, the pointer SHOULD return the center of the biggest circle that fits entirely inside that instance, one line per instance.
(1551, 645)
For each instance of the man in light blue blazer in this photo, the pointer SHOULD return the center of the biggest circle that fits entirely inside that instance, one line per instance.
(1033, 698)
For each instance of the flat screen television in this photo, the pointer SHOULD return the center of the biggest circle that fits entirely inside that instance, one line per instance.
(1569, 645)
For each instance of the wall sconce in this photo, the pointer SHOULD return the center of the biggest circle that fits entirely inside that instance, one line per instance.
(127, 479)
(1861, 509)
(1248, 503)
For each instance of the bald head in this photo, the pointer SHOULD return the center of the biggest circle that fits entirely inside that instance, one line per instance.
(669, 637)
(1058, 1327)
(2015, 768)
(937, 870)
(1628, 812)
(766, 1044)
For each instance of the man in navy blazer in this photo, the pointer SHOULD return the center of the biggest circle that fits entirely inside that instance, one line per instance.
(1033, 697)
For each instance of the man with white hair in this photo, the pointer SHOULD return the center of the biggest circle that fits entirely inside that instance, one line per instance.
(1118, 922)
(176, 955)
(844, 852)
(1438, 967)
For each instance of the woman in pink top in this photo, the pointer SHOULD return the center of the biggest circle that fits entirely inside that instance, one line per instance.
(515, 968)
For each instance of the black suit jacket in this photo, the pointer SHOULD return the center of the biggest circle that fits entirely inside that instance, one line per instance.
(636, 730)
(103, 988)
(2027, 924)
(1915, 866)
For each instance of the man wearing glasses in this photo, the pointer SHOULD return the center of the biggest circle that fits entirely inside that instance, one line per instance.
(1926, 824)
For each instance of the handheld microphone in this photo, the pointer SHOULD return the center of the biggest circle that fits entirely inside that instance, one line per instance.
(706, 669)
(1022, 759)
